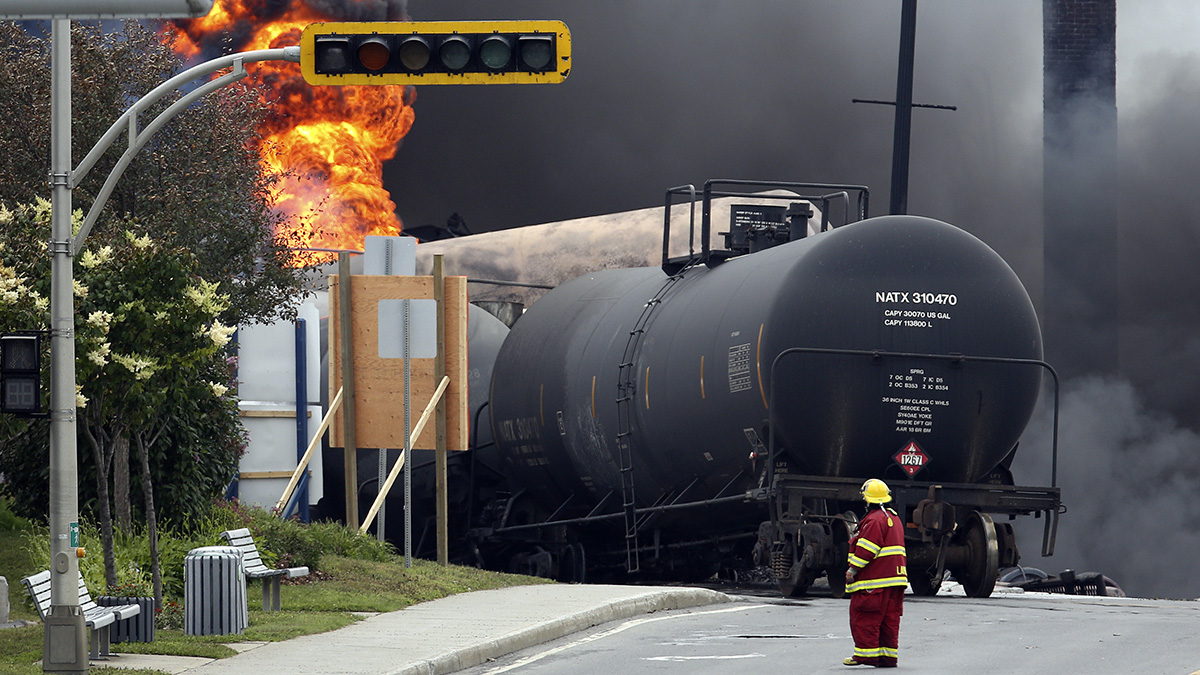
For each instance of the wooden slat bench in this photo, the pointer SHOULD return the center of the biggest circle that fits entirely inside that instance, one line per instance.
(254, 568)
(97, 618)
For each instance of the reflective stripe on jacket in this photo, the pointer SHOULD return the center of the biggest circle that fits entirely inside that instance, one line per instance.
(877, 551)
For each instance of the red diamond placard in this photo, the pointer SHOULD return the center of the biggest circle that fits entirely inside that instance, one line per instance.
(911, 459)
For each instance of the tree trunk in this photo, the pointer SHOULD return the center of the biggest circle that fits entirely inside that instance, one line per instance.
(103, 458)
(151, 520)
(106, 524)
(121, 476)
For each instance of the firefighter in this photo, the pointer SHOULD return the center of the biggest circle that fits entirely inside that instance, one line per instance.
(876, 579)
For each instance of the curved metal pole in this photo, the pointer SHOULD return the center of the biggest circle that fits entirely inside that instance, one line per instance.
(138, 141)
(285, 54)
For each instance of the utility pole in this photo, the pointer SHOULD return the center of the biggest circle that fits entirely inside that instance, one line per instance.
(903, 127)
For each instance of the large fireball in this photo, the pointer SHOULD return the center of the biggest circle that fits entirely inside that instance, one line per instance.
(327, 143)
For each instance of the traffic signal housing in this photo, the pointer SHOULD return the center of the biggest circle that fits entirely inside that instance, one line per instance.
(435, 52)
(21, 374)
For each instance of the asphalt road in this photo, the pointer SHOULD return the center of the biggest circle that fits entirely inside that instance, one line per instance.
(1007, 633)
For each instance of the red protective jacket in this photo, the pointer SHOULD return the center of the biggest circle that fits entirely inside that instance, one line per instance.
(877, 551)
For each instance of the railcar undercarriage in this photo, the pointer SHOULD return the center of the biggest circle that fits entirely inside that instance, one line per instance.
(948, 530)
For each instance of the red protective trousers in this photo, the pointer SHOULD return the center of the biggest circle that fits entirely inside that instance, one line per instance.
(875, 625)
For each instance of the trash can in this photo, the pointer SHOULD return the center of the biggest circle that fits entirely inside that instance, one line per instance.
(214, 591)
(138, 628)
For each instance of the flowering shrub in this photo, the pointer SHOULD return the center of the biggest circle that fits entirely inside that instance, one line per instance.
(151, 361)
(170, 616)
(21, 296)
(132, 581)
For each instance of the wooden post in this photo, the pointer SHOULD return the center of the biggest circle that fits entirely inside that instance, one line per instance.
(416, 431)
(308, 453)
(349, 441)
(439, 372)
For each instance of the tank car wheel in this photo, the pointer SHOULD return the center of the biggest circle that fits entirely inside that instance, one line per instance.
(535, 563)
(795, 585)
(925, 583)
(978, 575)
(836, 573)
(572, 564)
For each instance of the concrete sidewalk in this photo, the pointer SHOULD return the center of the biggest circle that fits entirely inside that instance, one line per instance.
(442, 636)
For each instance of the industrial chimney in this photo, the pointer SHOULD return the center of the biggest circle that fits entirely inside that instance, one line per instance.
(1080, 185)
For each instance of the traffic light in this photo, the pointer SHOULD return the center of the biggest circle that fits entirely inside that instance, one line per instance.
(21, 374)
(436, 52)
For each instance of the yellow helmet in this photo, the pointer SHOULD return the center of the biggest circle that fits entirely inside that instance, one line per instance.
(875, 491)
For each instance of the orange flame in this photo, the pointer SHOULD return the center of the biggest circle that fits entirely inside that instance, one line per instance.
(327, 143)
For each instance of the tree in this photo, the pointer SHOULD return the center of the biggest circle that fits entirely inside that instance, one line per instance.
(150, 358)
(197, 187)
(198, 184)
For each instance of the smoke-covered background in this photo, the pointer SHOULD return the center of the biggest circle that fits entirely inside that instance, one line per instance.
(668, 92)
(665, 92)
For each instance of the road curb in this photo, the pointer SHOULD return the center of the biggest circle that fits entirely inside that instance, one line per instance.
(653, 601)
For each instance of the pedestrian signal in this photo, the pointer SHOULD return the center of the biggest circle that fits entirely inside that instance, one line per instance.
(435, 52)
(21, 374)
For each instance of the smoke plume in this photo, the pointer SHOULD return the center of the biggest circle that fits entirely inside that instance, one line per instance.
(1128, 476)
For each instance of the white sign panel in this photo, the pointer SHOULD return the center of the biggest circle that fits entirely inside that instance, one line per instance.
(422, 329)
(389, 255)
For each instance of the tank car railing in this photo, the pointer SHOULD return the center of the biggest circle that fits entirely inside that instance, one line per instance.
(831, 192)
(1017, 498)
(679, 189)
(709, 193)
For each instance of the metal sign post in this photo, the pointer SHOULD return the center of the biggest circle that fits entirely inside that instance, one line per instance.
(389, 256)
(407, 442)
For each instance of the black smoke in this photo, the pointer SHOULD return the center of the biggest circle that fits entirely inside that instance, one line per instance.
(665, 92)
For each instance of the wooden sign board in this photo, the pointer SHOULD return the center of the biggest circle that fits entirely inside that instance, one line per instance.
(379, 382)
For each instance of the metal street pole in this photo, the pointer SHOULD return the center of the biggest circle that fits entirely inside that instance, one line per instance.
(65, 646)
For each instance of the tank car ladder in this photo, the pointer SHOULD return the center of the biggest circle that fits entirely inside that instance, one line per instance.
(626, 388)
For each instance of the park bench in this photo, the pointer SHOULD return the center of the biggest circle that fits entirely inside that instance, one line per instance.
(254, 568)
(97, 618)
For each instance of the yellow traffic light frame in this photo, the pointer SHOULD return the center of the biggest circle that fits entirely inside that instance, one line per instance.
(553, 76)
